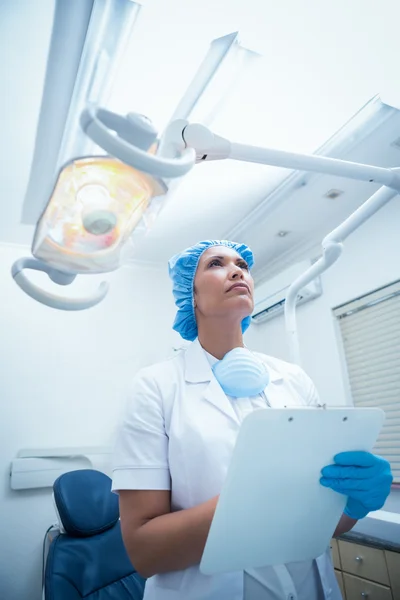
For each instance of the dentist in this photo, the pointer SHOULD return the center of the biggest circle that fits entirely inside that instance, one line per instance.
(177, 435)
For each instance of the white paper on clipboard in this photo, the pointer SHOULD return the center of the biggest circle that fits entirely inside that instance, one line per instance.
(272, 509)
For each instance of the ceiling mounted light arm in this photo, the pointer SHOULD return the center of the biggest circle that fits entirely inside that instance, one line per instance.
(317, 164)
(209, 146)
(196, 143)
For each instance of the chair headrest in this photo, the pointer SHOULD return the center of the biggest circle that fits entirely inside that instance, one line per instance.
(85, 503)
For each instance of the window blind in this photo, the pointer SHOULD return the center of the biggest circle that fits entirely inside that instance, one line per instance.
(370, 329)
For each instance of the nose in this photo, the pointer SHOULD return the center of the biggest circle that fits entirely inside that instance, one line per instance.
(236, 272)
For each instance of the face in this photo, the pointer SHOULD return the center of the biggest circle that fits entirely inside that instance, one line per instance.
(223, 285)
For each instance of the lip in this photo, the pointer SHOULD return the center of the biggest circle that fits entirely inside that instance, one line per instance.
(241, 285)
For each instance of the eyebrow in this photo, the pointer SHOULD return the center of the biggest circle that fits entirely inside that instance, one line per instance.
(239, 258)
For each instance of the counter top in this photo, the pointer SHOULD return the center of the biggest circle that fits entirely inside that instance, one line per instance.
(381, 530)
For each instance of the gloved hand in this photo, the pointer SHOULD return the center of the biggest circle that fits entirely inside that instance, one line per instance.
(363, 477)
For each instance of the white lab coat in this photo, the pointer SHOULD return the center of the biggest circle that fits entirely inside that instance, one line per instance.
(178, 433)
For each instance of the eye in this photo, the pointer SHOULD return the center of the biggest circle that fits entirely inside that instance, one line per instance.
(243, 265)
(215, 263)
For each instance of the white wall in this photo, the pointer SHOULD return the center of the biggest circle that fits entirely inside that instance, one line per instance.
(371, 259)
(63, 378)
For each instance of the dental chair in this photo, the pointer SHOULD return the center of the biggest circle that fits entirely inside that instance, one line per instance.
(88, 558)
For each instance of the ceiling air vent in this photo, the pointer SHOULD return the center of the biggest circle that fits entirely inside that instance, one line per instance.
(333, 194)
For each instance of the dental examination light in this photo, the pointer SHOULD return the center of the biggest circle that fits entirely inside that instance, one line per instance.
(85, 190)
(98, 202)
(97, 205)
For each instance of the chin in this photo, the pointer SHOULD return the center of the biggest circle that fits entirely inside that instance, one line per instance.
(242, 304)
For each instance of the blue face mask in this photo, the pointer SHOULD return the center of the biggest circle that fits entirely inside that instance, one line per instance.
(241, 374)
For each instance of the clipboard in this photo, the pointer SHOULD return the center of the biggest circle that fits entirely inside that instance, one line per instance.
(272, 509)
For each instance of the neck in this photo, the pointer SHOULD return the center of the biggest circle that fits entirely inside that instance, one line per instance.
(219, 337)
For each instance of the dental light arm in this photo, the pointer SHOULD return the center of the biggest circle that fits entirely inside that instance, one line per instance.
(209, 146)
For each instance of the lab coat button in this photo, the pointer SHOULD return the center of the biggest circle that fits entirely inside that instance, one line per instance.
(291, 597)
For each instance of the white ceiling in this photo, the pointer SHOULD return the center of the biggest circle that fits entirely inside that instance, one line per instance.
(309, 215)
(322, 62)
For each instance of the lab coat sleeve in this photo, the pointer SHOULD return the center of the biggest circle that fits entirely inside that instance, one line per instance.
(310, 391)
(140, 459)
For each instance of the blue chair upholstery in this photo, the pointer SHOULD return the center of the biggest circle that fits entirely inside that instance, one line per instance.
(89, 560)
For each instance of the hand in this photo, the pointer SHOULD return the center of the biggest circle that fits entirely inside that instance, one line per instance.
(365, 478)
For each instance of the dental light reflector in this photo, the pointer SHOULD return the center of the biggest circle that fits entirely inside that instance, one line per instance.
(95, 205)
(99, 204)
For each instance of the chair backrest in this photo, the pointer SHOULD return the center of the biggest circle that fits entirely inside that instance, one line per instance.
(89, 560)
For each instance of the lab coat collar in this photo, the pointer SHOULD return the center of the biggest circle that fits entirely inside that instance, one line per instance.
(197, 367)
(198, 370)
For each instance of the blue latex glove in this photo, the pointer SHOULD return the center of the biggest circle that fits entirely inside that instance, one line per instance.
(365, 478)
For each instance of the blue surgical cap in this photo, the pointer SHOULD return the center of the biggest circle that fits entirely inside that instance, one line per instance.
(182, 270)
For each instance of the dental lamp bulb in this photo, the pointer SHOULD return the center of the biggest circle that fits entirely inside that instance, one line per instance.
(98, 218)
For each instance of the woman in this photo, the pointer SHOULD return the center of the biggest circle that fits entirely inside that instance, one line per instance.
(180, 426)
